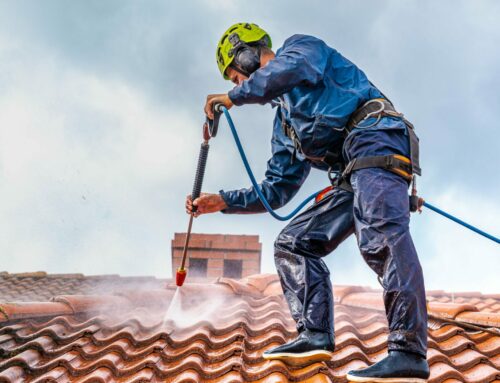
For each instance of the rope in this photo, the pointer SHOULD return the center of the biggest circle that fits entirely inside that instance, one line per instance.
(312, 196)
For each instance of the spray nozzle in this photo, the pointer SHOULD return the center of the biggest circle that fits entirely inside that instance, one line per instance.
(180, 276)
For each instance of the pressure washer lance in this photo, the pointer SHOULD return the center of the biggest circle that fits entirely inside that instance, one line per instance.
(209, 130)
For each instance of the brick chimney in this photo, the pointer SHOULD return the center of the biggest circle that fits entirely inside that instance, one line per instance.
(218, 255)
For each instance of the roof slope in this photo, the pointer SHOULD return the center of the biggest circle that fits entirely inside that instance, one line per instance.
(222, 332)
(40, 286)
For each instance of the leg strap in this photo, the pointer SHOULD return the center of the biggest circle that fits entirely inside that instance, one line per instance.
(395, 163)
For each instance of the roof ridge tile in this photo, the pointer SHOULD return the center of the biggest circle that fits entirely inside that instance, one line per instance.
(66, 276)
(91, 303)
(30, 274)
(22, 310)
(449, 310)
(479, 318)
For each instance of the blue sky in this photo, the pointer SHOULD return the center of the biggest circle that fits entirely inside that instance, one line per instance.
(101, 110)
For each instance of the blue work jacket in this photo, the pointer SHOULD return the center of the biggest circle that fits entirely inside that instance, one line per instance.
(317, 89)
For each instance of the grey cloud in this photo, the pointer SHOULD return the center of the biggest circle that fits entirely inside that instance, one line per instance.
(438, 61)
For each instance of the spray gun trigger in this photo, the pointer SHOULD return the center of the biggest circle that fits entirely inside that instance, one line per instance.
(213, 125)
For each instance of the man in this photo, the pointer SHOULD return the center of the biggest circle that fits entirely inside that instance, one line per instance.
(329, 115)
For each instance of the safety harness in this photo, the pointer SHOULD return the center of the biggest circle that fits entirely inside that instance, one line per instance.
(339, 173)
(401, 165)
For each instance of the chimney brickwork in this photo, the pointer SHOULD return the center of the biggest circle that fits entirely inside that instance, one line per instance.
(226, 255)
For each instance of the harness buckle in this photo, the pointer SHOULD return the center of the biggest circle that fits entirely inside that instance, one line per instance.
(333, 175)
(389, 161)
(349, 167)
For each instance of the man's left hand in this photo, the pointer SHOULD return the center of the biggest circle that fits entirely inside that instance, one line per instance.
(216, 99)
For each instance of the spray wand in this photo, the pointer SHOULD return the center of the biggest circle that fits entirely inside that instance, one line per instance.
(209, 130)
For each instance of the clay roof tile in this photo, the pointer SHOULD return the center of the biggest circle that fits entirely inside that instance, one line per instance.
(240, 288)
(479, 318)
(20, 310)
(371, 300)
(448, 310)
(91, 303)
(340, 292)
(261, 281)
(121, 335)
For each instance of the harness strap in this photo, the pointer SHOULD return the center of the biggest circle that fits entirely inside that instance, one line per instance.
(289, 131)
(414, 148)
(379, 107)
(395, 163)
(376, 107)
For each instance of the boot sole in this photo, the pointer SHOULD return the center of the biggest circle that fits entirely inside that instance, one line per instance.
(360, 379)
(301, 358)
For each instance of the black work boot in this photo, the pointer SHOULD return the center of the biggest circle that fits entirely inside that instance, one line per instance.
(309, 347)
(398, 366)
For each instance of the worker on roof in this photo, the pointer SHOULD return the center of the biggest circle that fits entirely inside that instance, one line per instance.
(329, 116)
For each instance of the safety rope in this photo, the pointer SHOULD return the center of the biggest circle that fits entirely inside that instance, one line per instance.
(312, 196)
(460, 222)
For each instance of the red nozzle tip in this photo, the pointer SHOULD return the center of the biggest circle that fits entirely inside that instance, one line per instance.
(180, 277)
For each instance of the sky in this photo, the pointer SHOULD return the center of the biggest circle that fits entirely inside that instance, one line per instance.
(101, 109)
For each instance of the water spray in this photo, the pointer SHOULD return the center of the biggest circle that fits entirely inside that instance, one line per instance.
(209, 130)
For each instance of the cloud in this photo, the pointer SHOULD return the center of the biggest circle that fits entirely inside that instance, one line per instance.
(85, 161)
(101, 110)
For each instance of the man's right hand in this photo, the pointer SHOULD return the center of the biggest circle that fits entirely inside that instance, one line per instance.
(216, 99)
(205, 203)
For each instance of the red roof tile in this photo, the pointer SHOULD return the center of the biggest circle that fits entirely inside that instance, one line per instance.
(121, 336)
(40, 286)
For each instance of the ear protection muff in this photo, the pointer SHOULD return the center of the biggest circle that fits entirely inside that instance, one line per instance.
(246, 58)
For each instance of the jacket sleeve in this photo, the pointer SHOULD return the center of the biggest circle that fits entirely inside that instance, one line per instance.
(301, 61)
(283, 179)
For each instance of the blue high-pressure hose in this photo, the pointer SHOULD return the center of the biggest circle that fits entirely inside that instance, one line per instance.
(460, 222)
(254, 181)
(312, 196)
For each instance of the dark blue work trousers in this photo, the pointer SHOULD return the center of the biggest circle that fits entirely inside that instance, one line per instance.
(378, 213)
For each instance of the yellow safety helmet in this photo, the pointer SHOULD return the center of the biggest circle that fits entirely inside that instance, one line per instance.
(245, 33)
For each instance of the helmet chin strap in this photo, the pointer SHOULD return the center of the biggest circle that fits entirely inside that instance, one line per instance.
(240, 70)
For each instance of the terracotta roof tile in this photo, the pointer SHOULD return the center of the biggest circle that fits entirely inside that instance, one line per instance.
(40, 286)
(483, 302)
(19, 310)
(449, 310)
(121, 337)
(342, 291)
(365, 299)
(480, 318)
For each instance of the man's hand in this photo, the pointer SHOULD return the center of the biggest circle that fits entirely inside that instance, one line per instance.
(216, 99)
(206, 203)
